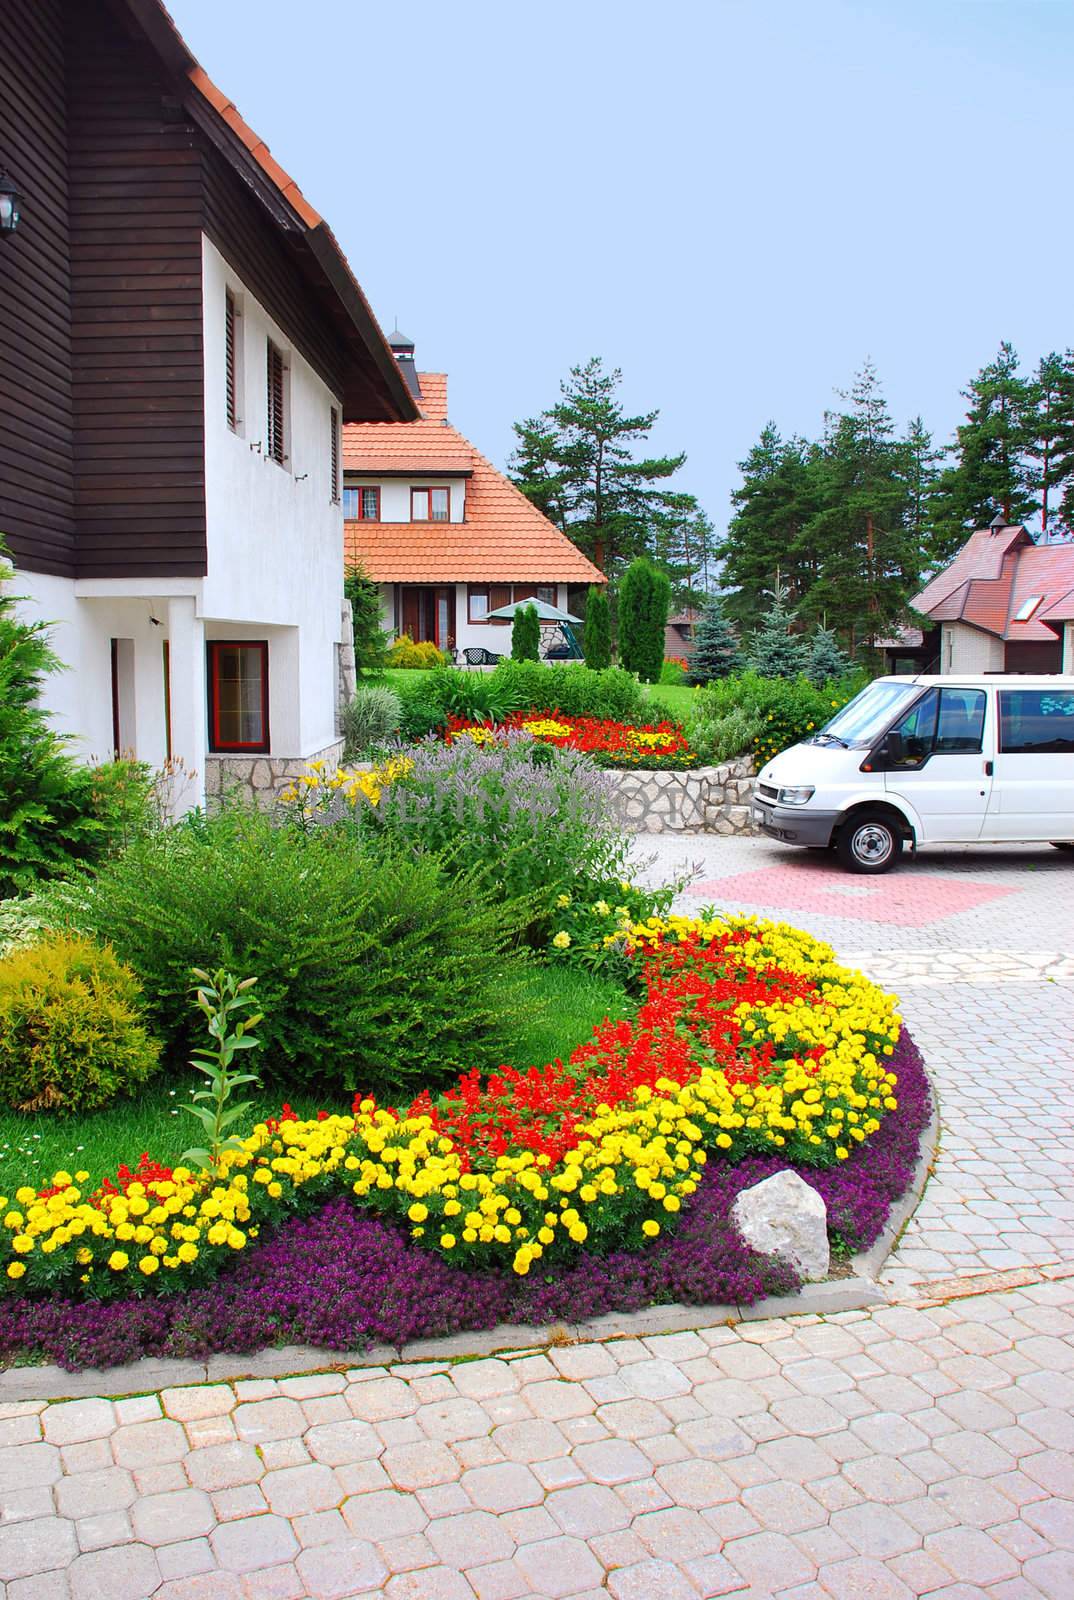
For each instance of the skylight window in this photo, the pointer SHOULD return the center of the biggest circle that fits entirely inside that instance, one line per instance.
(1027, 608)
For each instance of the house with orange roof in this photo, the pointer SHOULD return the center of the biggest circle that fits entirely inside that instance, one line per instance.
(1005, 604)
(184, 343)
(447, 537)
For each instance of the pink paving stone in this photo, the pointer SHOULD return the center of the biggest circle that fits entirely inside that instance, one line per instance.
(633, 1419)
(262, 1420)
(971, 1555)
(149, 1444)
(420, 1466)
(650, 1580)
(612, 1461)
(275, 1583)
(862, 1580)
(431, 1583)
(470, 1539)
(30, 1547)
(911, 900)
(297, 1491)
(384, 1514)
(1052, 1574)
(559, 1567)
(204, 1586)
(530, 1441)
(696, 1483)
(74, 1421)
(332, 1571)
(205, 1400)
(253, 1542)
(379, 1399)
(676, 1534)
(165, 1518)
(337, 1443)
(452, 1419)
(128, 1572)
(504, 1486)
(500, 1580)
(556, 1400)
(581, 1361)
(876, 1531)
(713, 1575)
(319, 1527)
(224, 1466)
(588, 1510)
(769, 1561)
(784, 1507)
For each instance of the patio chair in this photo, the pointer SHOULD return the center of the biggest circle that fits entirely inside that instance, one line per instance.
(477, 656)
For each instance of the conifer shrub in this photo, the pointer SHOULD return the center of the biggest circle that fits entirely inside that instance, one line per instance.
(644, 599)
(72, 1028)
(526, 634)
(597, 631)
(375, 968)
(716, 652)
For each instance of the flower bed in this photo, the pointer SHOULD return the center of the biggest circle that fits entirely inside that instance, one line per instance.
(342, 1280)
(656, 745)
(749, 1040)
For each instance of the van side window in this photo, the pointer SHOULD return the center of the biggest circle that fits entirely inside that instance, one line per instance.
(1036, 722)
(960, 730)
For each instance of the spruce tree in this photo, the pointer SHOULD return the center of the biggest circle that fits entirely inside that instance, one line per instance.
(716, 653)
(991, 472)
(597, 633)
(1050, 449)
(644, 597)
(774, 651)
(824, 658)
(525, 634)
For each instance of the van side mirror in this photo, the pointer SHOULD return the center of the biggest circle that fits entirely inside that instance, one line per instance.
(890, 752)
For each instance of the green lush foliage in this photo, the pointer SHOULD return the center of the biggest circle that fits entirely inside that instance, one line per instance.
(776, 652)
(597, 630)
(716, 653)
(72, 1032)
(370, 719)
(405, 653)
(525, 634)
(370, 638)
(644, 599)
(375, 968)
(762, 716)
(123, 796)
(577, 691)
(47, 819)
(672, 673)
(824, 659)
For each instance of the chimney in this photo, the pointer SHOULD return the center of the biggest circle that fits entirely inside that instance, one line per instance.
(403, 350)
(997, 525)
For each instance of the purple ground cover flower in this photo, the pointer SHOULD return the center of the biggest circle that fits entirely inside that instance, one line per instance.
(343, 1280)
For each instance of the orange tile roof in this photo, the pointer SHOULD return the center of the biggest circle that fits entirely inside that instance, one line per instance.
(504, 538)
(993, 576)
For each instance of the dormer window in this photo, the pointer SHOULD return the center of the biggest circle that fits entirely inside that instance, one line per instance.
(430, 505)
(361, 505)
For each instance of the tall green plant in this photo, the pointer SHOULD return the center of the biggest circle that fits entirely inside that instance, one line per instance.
(774, 651)
(221, 998)
(597, 633)
(367, 621)
(526, 634)
(644, 598)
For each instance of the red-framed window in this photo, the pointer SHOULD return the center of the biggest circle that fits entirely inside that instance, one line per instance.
(430, 505)
(361, 505)
(238, 695)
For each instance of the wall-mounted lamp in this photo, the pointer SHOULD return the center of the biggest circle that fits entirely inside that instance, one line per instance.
(10, 205)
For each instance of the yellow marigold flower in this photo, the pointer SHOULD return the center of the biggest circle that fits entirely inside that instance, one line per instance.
(148, 1265)
(447, 1241)
(25, 1196)
(562, 901)
(187, 1253)
(650, 1228)
(118, 1260)
(16, 1269)
(22, 1244)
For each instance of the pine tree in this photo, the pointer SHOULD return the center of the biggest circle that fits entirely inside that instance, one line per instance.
(576, 461)
(774, 651)
(824, 658)
(683, 546)
(921, 471)
(597, 633)
(1063, 446)
(991, 472)
(716, 653)
(525, 634)
(1050, 447)
(644, 597)
(367, 620)
(768, 539)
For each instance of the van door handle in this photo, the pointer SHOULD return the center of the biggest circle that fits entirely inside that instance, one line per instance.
(990, 767)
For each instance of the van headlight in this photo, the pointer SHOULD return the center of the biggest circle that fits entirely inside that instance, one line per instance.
(797, 797)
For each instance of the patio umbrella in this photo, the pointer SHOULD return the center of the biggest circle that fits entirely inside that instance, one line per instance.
(545, 612)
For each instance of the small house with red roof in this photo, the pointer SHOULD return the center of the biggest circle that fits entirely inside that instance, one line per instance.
(1005, 604)
(447, 537)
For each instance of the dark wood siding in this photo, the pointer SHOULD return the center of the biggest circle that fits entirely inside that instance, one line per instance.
(36, 458)
(136, 179)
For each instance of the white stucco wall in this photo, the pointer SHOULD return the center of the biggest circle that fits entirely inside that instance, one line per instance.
(275, 536)
(493, 636)
(964, 649)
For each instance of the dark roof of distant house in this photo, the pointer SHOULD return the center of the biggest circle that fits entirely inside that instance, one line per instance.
(318, 252)
(995, 575)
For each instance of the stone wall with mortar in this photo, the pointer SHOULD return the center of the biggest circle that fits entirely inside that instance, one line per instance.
(706, 800)
(260, 778)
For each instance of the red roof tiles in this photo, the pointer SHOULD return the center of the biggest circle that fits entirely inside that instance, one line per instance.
(992, 578)
(504, 538)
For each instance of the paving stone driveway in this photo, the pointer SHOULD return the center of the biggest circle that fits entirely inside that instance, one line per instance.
(925, 1447)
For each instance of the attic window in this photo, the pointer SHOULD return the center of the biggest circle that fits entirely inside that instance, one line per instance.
(1027, 608)
(430, 505)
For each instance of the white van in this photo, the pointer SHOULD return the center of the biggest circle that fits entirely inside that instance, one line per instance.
(928, 760)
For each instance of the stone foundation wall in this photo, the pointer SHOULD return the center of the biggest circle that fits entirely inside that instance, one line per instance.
(706, 800)
(260, 778)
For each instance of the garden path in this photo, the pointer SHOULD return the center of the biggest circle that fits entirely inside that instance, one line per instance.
(924, 1447)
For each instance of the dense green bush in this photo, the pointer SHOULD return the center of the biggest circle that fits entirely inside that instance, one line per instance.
(405, 653)
(597, 631)
(644, 599)
(526, 634)
(575, 690)
(122, 795)
(375, 969)
(72, 1032)
(762, 716)
(370, 719)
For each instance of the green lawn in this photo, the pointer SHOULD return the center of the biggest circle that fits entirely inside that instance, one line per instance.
(567, 1006)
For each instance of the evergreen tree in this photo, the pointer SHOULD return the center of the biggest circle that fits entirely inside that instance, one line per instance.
(367, 621)
(576, 461)
(824, 658)
(769, 540)
(597, 633)
(525, 634)
(683, 546)
(921, 465)
(716, 653)
(990, 473)
(774, 651)
(644, 597)
(1063, 446)
(1050, 448)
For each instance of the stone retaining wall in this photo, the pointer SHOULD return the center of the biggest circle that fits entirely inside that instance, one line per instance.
(706, 800)
(260, 778)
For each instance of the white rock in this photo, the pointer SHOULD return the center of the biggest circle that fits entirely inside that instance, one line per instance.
(784, 1216)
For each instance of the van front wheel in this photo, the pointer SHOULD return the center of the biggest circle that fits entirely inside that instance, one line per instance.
(869, 841)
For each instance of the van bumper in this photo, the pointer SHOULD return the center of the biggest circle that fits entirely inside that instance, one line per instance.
(795, 824)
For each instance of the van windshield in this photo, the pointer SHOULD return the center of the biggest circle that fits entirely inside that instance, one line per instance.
(863, 719)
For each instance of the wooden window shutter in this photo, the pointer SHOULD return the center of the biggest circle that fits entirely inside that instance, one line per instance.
(334, 417)
(274, 443)
(229, 361)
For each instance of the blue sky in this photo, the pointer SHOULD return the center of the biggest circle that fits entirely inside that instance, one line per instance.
(734, 201)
